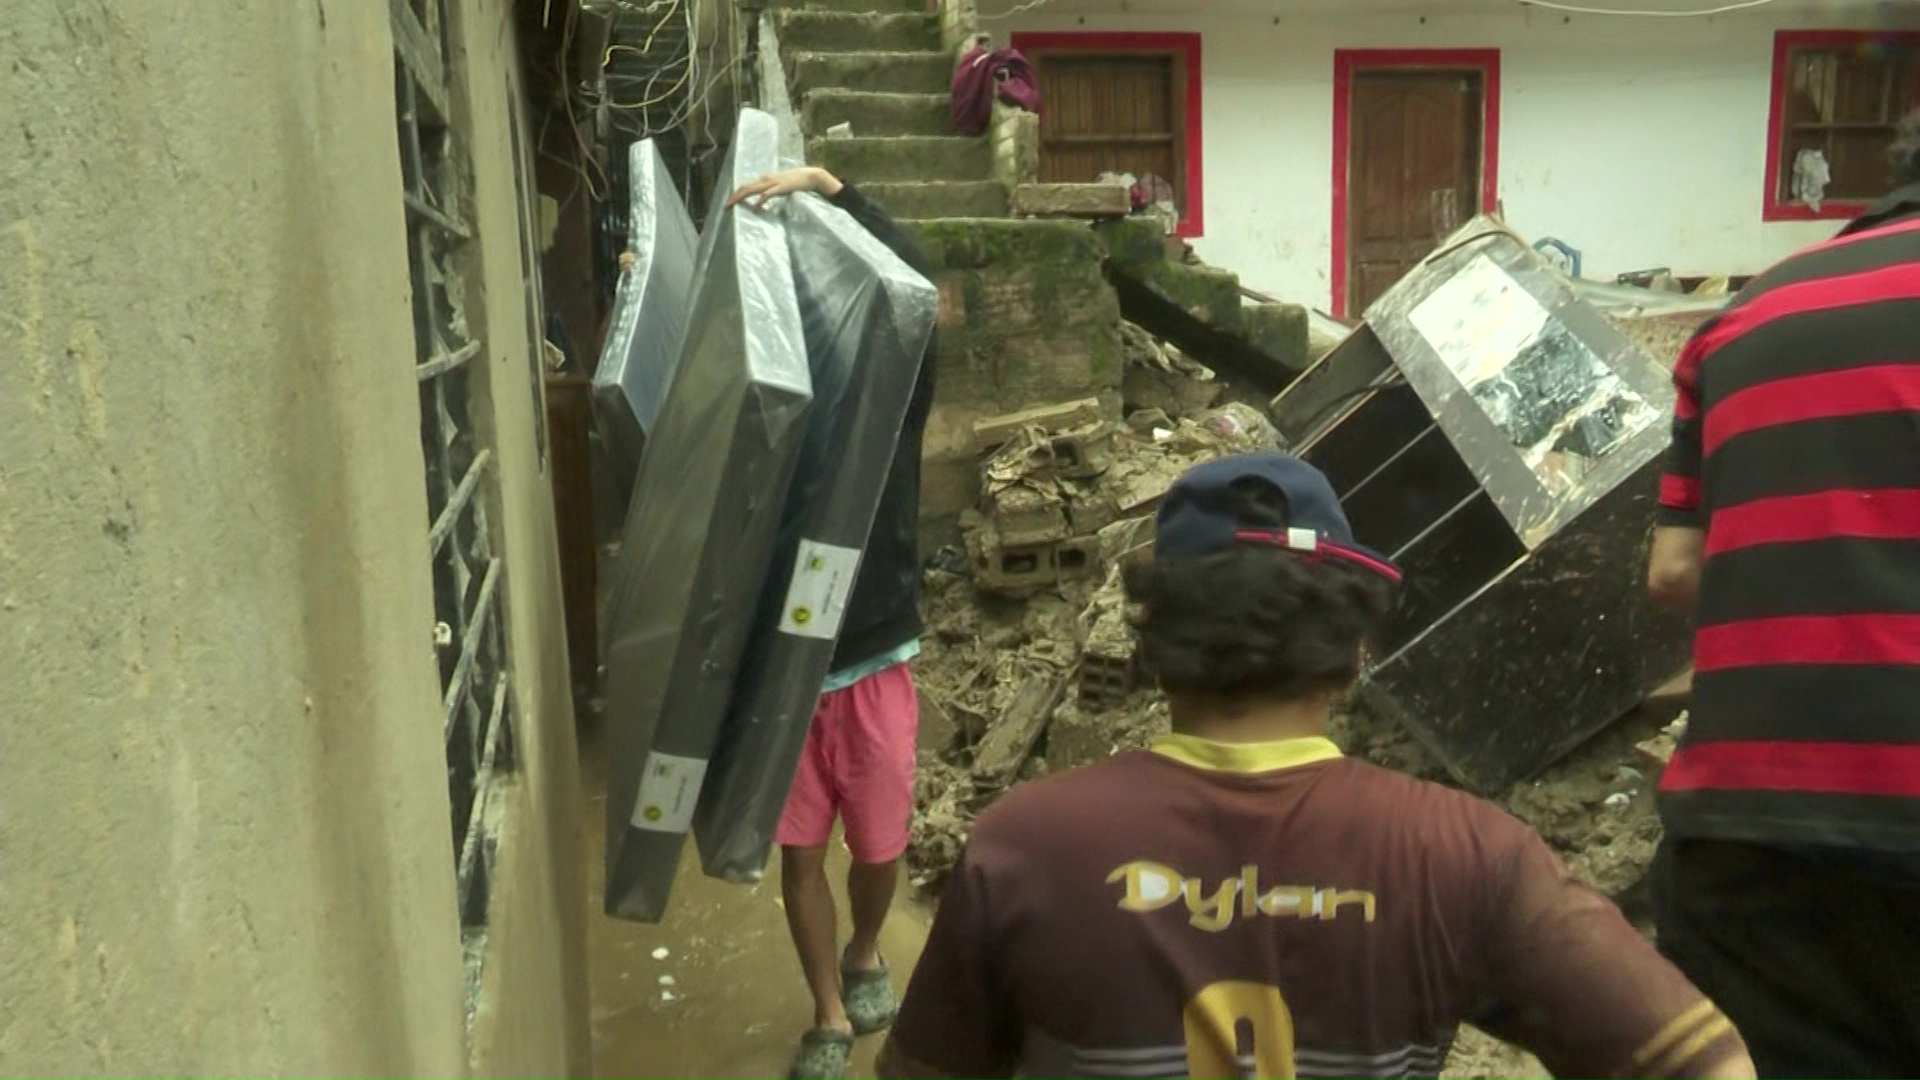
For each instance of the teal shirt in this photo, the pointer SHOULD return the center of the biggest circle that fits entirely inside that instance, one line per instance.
(840, 680)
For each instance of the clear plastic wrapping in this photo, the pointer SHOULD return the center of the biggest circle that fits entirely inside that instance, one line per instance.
(1546, 400)
(701, 533)
(650, 310)
(868, 317)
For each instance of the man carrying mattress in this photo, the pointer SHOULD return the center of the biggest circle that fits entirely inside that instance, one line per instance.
(858, 763)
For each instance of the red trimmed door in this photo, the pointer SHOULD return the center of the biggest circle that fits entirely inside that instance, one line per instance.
(1413, 172)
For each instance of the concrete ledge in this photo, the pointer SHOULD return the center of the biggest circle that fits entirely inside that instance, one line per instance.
(1072, 200)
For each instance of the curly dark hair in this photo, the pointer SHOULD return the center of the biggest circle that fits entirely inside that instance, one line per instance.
(1255, 622)
(1904, 154)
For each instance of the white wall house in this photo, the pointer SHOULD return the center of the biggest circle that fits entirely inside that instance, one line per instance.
(1318, 143)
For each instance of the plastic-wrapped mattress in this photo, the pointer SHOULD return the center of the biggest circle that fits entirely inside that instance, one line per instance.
(867, 317)
(701, 533)
(650, 310)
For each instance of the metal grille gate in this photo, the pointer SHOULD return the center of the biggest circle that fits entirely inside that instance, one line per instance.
(468, 574)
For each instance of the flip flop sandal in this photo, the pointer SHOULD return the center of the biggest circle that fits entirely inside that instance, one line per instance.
(823, 1055)
(869, 997)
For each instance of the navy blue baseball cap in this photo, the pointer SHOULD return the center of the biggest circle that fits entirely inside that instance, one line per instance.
(1200, 515)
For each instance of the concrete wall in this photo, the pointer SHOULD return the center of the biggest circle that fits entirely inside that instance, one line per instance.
(224, 836)
(1641, 142)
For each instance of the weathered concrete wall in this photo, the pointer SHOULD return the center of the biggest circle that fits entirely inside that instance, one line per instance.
(1642, 142)
(1025, 319)
(223, 810)
(532, 1015)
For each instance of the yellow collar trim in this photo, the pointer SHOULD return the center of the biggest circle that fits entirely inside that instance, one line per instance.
(1245, 757)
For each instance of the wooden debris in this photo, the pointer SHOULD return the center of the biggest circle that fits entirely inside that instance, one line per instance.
(1010, 742)
(997, 430)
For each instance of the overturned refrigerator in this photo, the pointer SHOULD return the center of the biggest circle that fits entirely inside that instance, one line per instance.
(1502, 438)
(868, 317)
(700, 536)
(650, 309)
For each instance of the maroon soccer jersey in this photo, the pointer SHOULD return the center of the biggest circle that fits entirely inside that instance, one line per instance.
(1278, 911)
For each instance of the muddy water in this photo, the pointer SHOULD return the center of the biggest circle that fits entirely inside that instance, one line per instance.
(725, 999)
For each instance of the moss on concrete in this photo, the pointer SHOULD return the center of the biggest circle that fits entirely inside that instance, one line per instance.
(1132, 242)
(1279, 331)
(974, 244)
(1038, 320)
(1207, 293)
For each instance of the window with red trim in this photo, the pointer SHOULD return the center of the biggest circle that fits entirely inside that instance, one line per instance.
(1836, 97)
(1121, 103)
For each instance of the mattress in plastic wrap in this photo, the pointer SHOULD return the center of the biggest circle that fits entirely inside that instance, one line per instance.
(650, 309)
(701, 534)
(867, 318)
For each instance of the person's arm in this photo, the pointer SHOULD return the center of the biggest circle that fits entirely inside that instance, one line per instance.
(843, 195)
(955, 1020)
(1567, 977)
(1679, 541)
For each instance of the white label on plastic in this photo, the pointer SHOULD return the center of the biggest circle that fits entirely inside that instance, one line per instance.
(669, 789)
(1303, 540)
(817, 596)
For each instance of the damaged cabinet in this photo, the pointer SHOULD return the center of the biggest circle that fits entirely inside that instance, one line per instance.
(1502, 440)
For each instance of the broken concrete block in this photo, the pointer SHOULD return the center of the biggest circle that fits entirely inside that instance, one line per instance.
(1077, 558)
(1020, 570)
(938, 731)
(1089, 514)
(1106, 680)
(999, 430)
(1082, 453)
(1008, 744)
(1025, 516)
(1167, 392)
(1072, 200)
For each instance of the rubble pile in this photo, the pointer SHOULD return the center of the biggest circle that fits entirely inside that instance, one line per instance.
(1028, 665)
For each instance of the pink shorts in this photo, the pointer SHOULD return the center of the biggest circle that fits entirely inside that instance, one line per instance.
(858, 765)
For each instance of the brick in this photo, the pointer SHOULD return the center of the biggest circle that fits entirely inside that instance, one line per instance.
(1072, 200)
(1107, 678)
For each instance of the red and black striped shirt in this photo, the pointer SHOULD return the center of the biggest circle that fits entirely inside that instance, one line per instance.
(1796, 448)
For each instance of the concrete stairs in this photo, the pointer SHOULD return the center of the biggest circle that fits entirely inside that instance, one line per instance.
(879, 67)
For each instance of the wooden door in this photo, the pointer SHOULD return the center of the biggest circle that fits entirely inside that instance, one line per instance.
(1413, 172)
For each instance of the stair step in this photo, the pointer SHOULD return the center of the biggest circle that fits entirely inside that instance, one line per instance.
(880, 72)
(945, 199)
(878, 114)
(912, 157)
(830, 31)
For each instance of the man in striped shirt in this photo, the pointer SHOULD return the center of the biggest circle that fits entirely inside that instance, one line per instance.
(1789, 885)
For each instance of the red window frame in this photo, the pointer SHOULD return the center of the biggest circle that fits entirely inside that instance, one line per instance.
(1773, 207)
(1185, 45)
